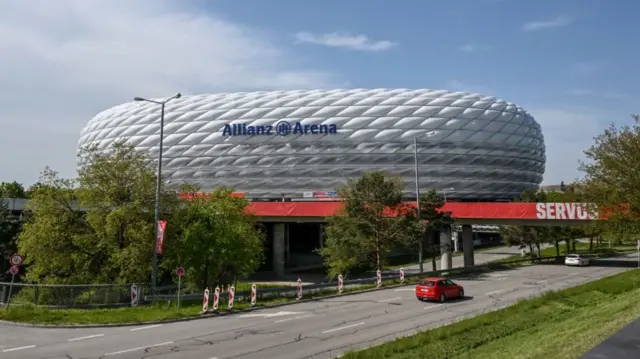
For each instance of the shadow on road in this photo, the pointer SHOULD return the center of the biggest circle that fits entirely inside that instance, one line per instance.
(453, 300)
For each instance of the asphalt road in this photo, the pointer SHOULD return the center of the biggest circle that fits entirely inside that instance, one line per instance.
(320, 329)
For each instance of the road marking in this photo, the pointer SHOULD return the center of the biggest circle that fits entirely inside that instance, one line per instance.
(542, 281)
(431, 307)
(572, 274)
(404, 290)
(390, 299)
(147, 327)
(139, 348)
(341, 328)
(87, 337)
(268, 315)
(18, 348)
(294, 318)
(496, 292)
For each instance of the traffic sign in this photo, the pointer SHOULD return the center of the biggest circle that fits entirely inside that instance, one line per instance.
(340, 283)
(16, 259)
(254, 295)
(216, 298)
(299, 283)
(134, 295)
(378, 278)
(179, 271)
(232, 295)
(14, 269)
(401, 275)
(205, 300)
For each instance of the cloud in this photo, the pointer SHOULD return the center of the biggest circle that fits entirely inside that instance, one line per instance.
(347, 41)
(559, 21)
(61, 62)
(472, 48)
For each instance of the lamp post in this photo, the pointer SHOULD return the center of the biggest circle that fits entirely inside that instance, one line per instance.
(444, 191)
(415, 160)
(162, 104)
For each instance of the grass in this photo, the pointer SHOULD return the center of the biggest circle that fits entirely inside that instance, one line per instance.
(559, 325)
(397, 264)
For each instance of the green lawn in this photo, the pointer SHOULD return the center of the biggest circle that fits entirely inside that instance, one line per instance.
(397, 264)
(558, 325)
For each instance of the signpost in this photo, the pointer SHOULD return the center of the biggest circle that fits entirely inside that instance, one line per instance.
(299, 284)
(16, 260)
(401, 275)
(378, 278)
(134, 295)
(205, 300)
(216, 298)
(179, 273)
(340, 283)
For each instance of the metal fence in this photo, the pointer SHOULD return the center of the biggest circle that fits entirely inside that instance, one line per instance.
(114, 295)
(331, 286)
(67, 296)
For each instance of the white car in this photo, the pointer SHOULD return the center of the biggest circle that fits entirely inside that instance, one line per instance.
(576, 260)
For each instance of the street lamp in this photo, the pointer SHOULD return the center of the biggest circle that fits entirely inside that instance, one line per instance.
(157, 206)
(444, 191)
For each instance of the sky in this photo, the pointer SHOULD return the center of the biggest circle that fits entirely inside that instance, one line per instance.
(573, 64)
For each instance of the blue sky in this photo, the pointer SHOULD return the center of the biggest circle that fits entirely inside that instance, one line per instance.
(571, 63)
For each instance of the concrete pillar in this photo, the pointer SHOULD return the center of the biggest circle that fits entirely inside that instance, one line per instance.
(279, 230)
(455, 236)
(321, 236)
(445, 249)
(467, 245)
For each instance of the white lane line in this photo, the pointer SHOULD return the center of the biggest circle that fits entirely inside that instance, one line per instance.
(342, 328)
(431, 307)
(390, 300)
(542, 281)
(294, 318)
(18, 348)
(496, 292)
(572, 274)
(404, 290)
(147, 327)
(139, 348)
(87, 337)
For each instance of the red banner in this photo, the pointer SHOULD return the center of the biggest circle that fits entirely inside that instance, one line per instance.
(162, 225)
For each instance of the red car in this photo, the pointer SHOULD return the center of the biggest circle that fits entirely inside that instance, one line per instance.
(438, 288)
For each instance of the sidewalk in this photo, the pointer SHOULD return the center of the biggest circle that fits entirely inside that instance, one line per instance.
(625, 344)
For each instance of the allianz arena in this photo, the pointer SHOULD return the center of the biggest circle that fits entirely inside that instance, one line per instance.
(292, 143)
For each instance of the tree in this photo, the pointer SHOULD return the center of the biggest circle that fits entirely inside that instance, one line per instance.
(431, 221)
(10, 226)
(98, 227)
(12, 190)
(373, 221)
(612, 176)
(218, 241)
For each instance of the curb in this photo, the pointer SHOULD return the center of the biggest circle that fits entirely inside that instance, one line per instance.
(207, 315)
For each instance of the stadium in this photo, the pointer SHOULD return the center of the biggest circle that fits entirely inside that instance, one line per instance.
(305, 144)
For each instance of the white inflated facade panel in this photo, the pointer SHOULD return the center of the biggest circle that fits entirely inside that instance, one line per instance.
(482, 147)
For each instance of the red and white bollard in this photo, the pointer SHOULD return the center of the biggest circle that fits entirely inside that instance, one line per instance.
(254, 295)
(340, 283)
(216, 298)
(401, 275)
(299, 283)
(232, 294)
(205, 300)
(378, 278)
